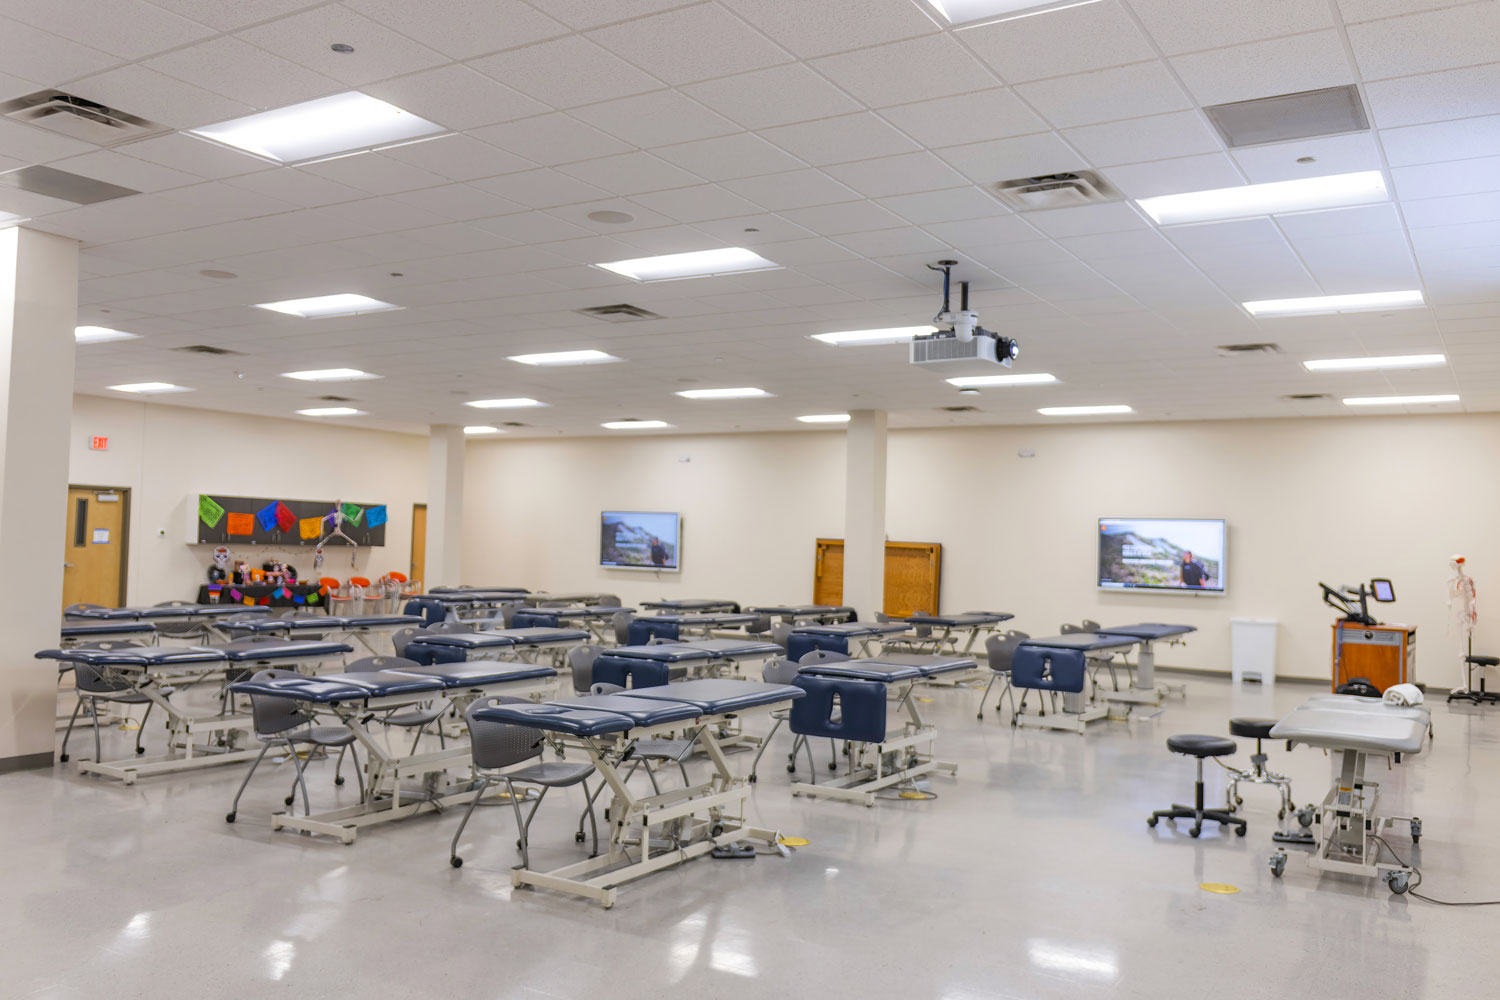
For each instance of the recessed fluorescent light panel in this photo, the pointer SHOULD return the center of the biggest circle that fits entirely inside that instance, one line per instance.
(635, 425)
(977, 381)
(1376, 364)
(482, 429)
(332, 411)
(329, 375)
(972, 12)
(825, 418)
(1447, 397)
(149, 388)
(1307, 194)
(100, 335)
(327, 306)
(699, 264)
(338, 124)
(503, 404)
(1083, 411)
(861, 338)
(1314, 305)
(565, 358)
(744, 393)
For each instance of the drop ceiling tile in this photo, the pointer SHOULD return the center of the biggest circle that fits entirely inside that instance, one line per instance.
(1338, 154)
(767, 228)
(130, 29)
(952, 205)
(551, 72)
(658, 119)
(374, 173)
(243, 73)
(1363, 263)
(1434, 97)
(1455, 140)
(550, 139)
(986, 231)
(1437, 180)
(1333, 222)
(38, 55)
(1135, 242)
(581, 14)
(1263, 69)
(297, 187)
(794, 189)
(626, 232)
(1180, 133)
(456, 97)
(1175, 176)
(1368, 10)
(849, 217)
(1211, 235)
(1188, 26)
(778, 96)
(1008, 159)
(697, 204)
(185, 152)
(1427, 42)
(815, 29)
(127, 171)
(631, 173)
(541, 188)
(1073, 40)
(887, 242)
(691, 44)
(907, 173)
(458, 157)
(728, 157)
(379, 53)
(462, 29)
(1087, 220)
(459, 202)
(902, 72)
(1104, 95)
(1426, 212)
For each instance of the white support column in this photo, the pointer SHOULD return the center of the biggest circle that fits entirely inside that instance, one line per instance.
(864, 513)
(38, 310)
(445, 506)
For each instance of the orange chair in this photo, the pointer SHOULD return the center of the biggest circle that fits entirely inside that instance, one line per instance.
(332, 591)
(360, 593)
(393, 585)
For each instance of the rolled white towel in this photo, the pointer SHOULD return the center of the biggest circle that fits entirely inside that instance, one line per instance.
(1403, 694)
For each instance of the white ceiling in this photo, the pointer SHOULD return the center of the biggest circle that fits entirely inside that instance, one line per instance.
(849, 141)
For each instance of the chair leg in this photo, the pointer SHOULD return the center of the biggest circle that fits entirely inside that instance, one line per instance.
(142, 731)
(359, 774)
(235, 806)
(301, 780)
(524, 827)
(77, 706)
(453, 858)
(812, 765)
(986, 693)
(763, 744)
(588, 810)
(94, 711)
(650, 773)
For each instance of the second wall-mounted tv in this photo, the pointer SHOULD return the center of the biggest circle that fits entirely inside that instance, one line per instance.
(646, 540)
(1163, 555)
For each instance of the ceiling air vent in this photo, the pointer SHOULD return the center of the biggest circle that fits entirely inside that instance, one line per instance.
(1079, 187)
(959, 409)
(60, 184)
(78, 118)
(204, 349)
(1335, 111)
(1249, 348)
(1304, 396)
(622, 312)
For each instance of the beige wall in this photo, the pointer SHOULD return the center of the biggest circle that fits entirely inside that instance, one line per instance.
(167, 455)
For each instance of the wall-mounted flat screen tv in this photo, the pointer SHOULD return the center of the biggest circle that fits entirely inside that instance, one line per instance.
(1162, 555)
(630, 539)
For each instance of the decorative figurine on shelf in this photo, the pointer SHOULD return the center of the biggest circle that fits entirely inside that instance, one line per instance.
(219, 571)
(276, 572)
(317, 558)
(241, 572)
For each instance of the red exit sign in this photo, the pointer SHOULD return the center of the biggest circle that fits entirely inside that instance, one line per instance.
(98, 444)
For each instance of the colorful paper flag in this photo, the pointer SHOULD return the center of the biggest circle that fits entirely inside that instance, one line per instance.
(240, 524)
(353, 512)
(298, 599)
(235, 594)
(284, 516)
(312, 598)
(209, 511)
(266, 517)
(375, 516)
(310, 527)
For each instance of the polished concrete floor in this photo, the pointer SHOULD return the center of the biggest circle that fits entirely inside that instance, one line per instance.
(1031, 875)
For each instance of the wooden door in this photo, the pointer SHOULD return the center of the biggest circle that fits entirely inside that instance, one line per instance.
(94, 547)
(913, 575)
(419, 544)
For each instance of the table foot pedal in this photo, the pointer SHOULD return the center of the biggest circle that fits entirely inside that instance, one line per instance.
(1302, 837)
(737, 851)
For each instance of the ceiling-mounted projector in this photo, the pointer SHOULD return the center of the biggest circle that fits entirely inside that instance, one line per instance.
(960, 341)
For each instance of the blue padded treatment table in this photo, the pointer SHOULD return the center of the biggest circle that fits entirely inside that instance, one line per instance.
(965, 620)
(453, 647)
(645, 666)
(692, 604)
(930, 664)
(835, 637)
(863, 670)
(733, 649)
(554, 617)
(479, 590)
(1088, 642)
(1147, 633)
(133, 654)
(714, 696)
(835, 612)
(337, 689)
(82, 630)
(558, 718)
(707, 619)
(1149, 630)
(269, 625)
(190, 611)
(264, 649)
(480, 673)
(642, 630)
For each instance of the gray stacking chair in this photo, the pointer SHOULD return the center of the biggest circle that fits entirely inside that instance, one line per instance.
(507, 612)
(95, 684)
(621, 621)
(401, 638)
(780, 632)
(281, 722)
(673, 751)
(777, 671)
(760, 626)
(181, 630)
(581, 664)
(609, 600)
(449, 627)
(1092, 626)
(499, 745)
(999, 651)
(416, 718)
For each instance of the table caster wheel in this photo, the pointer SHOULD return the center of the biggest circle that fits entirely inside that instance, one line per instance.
(716, 829)
(1239, 801)
(289, 800)
(1398, 881)
(1305, 816)
(1416, 830)
(1277, 863)
(456, 861)
(1151, 821)
(229, 818)
(338, 779)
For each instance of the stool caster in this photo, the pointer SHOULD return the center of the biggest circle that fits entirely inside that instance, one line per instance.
(1306, 816)
(1239, 831)
(1398, 881)
(1277, 863)
(229, 818)
(1151, 821)
(456, 861)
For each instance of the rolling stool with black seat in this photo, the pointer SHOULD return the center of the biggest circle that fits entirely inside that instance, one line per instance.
(1481, 696)
(1199, 746)
(1259, 774)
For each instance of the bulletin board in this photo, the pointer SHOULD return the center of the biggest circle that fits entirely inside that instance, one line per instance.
(224, 520)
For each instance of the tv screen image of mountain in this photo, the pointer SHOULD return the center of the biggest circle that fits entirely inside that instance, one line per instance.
(1162, 554)
(640, 540)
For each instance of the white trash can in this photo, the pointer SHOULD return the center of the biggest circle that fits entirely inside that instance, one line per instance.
(1252, 650)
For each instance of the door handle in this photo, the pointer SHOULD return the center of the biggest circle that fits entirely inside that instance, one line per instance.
(67, 565)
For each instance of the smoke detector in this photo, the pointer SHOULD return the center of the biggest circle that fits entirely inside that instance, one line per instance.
(1069, 190)
(79, 118)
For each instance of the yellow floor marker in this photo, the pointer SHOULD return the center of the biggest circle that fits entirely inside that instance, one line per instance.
(793, 841)
(1222, 888)
(917, 795)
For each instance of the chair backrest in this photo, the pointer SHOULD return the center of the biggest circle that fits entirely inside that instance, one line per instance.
(401, 637)
(760, 626)
(1068, 628)
(432, 611)
(97, 679)
(500, 744)
(396, 577)
(449, 627)
(1083, 626)
(331, 584)
(272, 714)
(1090, 626)
(780, 632)
(998, 649)
(621, 621)
(361, 582)
(507, 612)
(609, 600)
(602, 688)
(779, 670)
(581, 663)
(370, 664)
(822, 656)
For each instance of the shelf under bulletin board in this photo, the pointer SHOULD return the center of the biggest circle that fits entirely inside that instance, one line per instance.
(223, 520)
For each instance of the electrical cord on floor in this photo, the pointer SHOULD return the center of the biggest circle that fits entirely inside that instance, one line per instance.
(1418, 873)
